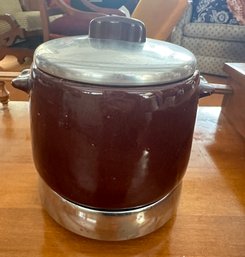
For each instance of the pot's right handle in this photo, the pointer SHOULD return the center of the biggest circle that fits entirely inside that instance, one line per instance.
(22, 82)
(207, 89)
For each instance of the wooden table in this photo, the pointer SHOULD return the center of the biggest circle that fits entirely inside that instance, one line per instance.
(210, 220)
(234, 105)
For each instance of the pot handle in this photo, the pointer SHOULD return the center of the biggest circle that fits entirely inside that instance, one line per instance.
(22, 82)
(207, 89)
(118, 28)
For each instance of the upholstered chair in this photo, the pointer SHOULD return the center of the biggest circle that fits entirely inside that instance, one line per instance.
(212, 33)
(16, 27)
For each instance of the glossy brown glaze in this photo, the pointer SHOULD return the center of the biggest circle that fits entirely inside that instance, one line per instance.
(111, 147)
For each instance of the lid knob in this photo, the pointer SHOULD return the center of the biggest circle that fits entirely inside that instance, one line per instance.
(117, 28)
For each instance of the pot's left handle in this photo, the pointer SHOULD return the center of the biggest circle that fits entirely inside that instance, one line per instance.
(22, 82)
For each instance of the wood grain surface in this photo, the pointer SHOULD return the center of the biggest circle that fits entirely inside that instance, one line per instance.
(210, 220)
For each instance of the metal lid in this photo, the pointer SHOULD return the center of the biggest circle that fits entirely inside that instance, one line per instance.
(116, 53)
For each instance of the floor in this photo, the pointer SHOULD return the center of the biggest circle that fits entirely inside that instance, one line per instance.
(9, 63)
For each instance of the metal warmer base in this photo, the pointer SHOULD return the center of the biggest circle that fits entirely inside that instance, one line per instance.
(109, 225)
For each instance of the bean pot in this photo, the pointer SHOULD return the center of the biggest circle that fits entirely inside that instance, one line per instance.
(112, 119)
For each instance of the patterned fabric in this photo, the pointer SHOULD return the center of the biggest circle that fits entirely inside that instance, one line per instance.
(212, 65)
(215, 31)
(214, 48)
(213, 44)
(29, 20)
(212, 11)
(10, 6)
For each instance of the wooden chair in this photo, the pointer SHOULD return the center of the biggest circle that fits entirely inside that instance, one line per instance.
(60, 19)
(160, 16)
(19, 29)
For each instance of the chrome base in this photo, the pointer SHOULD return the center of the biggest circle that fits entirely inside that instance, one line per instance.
(109, 225)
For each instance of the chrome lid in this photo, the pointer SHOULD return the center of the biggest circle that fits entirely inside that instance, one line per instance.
(103, 60)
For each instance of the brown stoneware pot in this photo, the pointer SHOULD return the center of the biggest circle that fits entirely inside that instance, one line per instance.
(112, 119)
